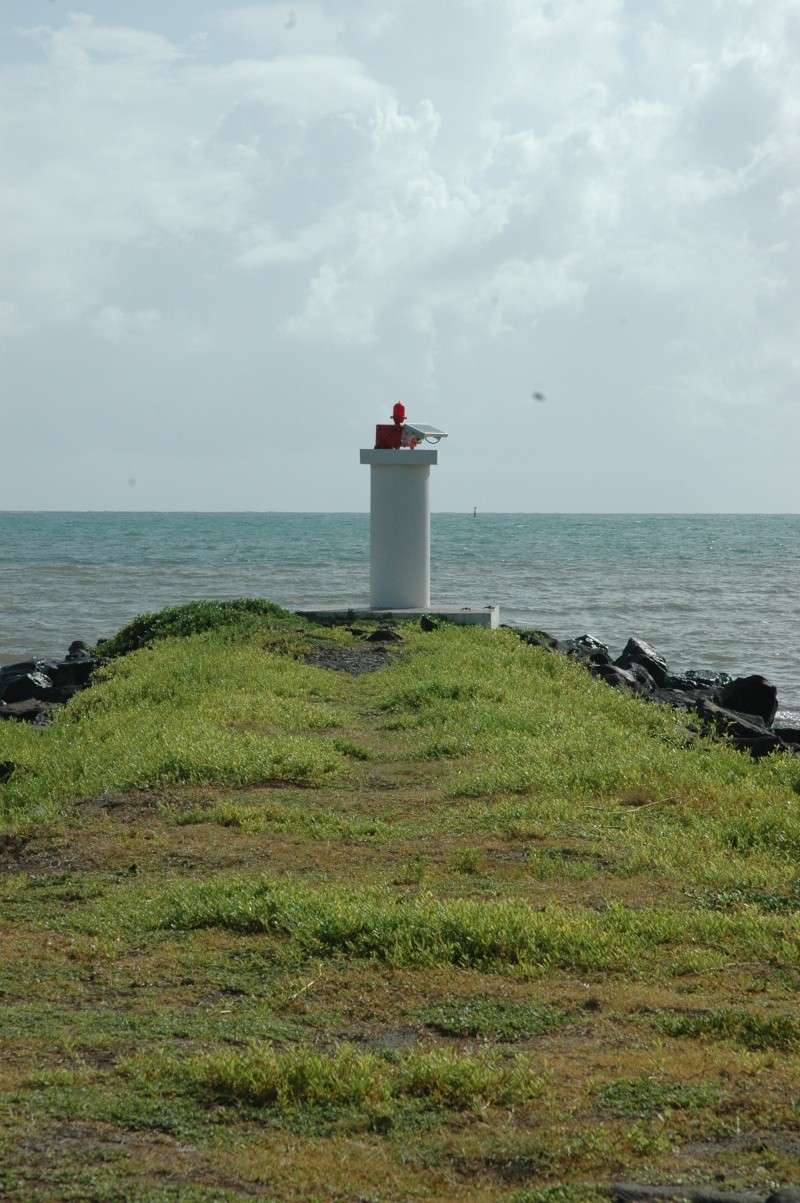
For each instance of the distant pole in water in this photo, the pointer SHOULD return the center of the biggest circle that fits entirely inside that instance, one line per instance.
(474, 511)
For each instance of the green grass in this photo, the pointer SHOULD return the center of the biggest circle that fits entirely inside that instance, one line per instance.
(238, 617)
(429, 931)
(298, 818)
(489, 1019)
(561, 1194)
(472, 926)
(744, 895)
(643, 1097)
(194, 711)
(541, 725)
(469, 861)
(753, 1031)
(302, 1077)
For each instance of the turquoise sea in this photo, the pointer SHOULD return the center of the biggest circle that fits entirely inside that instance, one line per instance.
(710, 591)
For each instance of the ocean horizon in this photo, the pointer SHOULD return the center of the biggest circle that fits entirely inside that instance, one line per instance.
(711, 591)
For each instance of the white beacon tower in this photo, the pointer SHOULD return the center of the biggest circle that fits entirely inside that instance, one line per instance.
(400, 532)
(400, 513)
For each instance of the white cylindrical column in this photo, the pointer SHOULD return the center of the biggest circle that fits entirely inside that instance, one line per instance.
(400, 528)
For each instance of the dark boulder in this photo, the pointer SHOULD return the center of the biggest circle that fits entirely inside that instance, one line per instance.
(540, 639)
(745, 731)
(31, 711)
(78, 651)
(788, 735)
(25, 686)
(51, 681)
(7, 767)
(587, 649)
(69, 675)
(636, 651)
(17, 670)
(642, 677)
(428, 624)
(617, 678)
(679, 698)
(636, 1192)
(751, 695)
(694, 679)
(384, 635)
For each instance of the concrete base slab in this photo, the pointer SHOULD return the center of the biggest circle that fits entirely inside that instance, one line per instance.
(487, 616)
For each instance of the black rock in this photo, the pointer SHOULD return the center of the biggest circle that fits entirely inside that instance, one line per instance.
(25, 686)
(587, 649)
(31, 711)
(46, 680)
(743, 730)
(788, 1194)
(17, 670)
(679, 698)
(694, 679)
(636, 651)
(636, 1192)
(384, 635)
(642, 677)
(69, 674)
(751, 695)
(428, 624)
(617, 678)
(6, 769)
(788, 735)
(540, 639)
(78, 651)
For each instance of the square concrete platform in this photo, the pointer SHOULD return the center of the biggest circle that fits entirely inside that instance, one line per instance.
(487, 616)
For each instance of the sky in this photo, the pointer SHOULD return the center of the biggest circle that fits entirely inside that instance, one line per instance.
(231, 237)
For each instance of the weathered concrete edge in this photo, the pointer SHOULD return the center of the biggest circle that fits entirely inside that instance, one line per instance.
(487, 616)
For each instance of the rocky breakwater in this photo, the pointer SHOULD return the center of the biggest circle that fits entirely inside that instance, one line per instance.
(30, 690)
(739, 710)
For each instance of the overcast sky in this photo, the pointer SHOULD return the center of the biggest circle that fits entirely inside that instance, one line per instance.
(232, 237)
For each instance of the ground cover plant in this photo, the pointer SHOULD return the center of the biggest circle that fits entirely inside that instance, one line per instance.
(470, 926)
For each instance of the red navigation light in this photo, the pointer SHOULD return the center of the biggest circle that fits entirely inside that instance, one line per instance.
(392, 438)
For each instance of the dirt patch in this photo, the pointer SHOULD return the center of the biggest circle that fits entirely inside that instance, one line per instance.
(394, 1040)
(78, 1137)
(353, 660)
(787, 1143)
(133, 802)
(12, 848)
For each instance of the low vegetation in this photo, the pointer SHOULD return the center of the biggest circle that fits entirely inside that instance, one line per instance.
(469, 926)
(351, 1078)
(236, 618)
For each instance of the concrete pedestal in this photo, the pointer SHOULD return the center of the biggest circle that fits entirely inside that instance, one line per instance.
(467, 616)
(400, 528)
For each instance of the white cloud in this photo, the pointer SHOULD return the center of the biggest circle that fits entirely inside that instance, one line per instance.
(280, 29)
(114, 324)
(431, 191)
(11, 325)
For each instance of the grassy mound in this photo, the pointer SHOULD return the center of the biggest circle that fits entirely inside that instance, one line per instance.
(240, 616)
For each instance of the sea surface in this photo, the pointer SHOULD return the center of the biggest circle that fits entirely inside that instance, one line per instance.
(716, 591)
